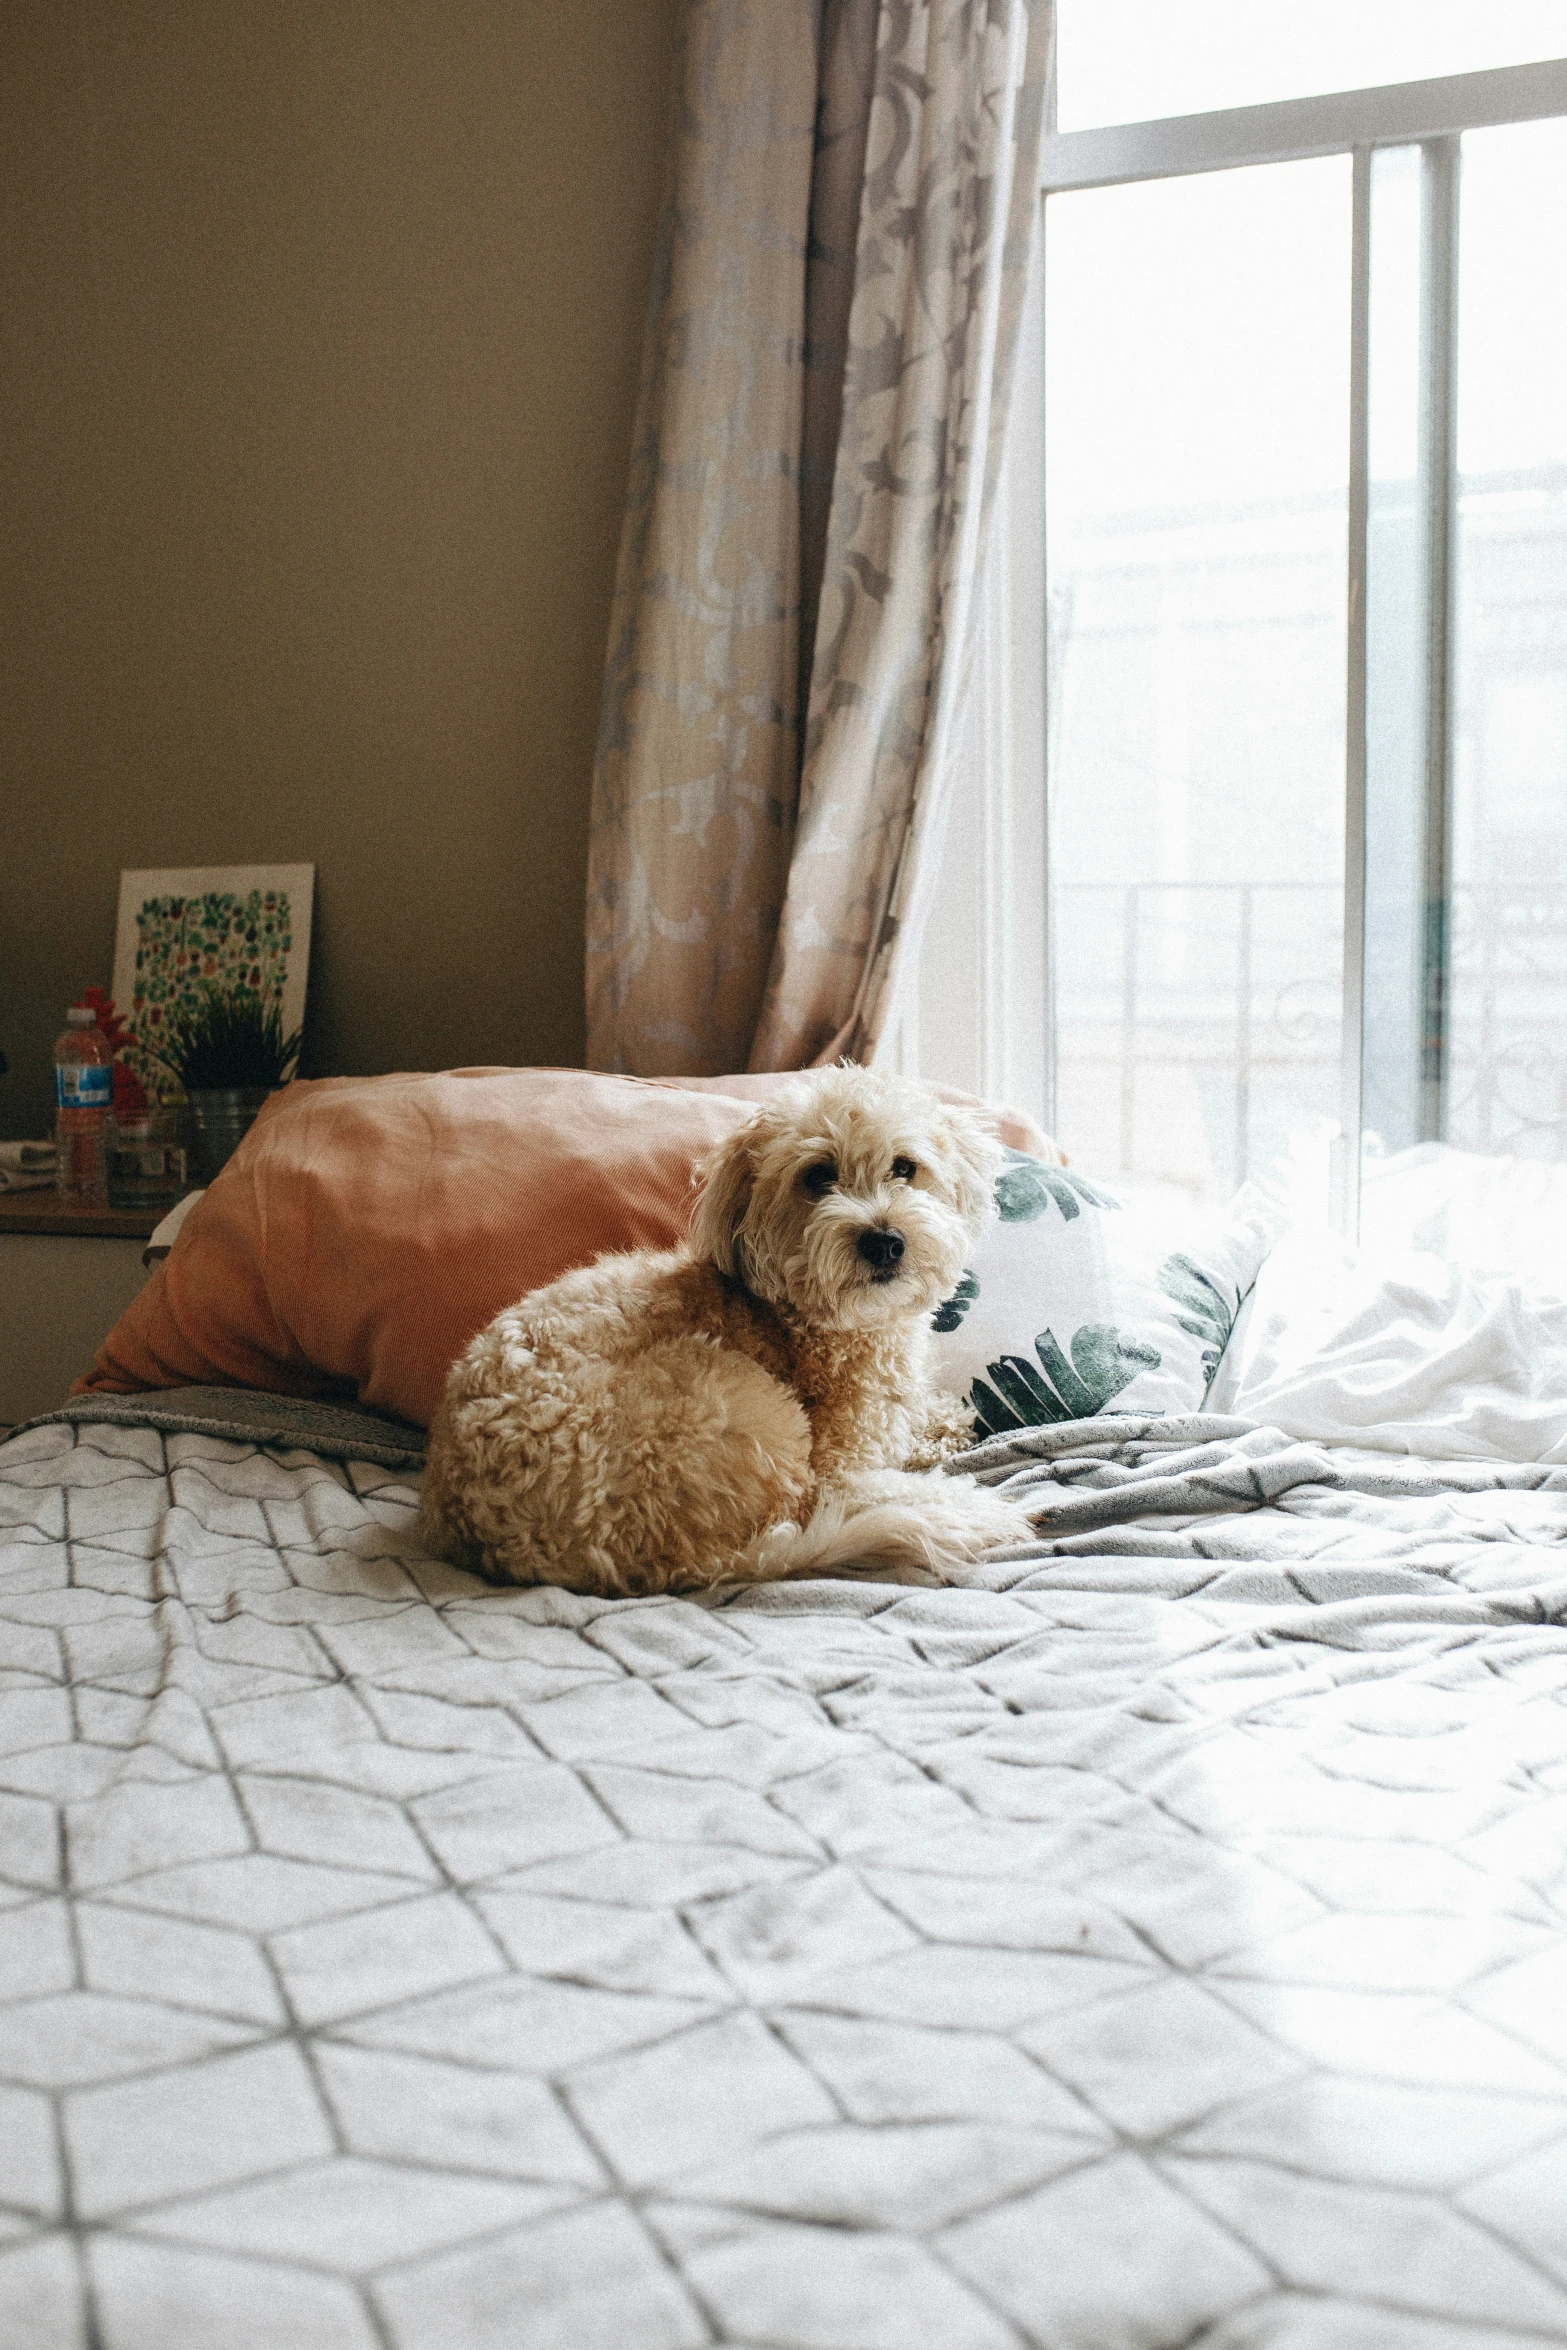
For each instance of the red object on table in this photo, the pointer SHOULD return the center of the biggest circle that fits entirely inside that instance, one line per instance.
(130, 1098)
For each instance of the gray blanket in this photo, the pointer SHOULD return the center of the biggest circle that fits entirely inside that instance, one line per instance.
(1159, 1940)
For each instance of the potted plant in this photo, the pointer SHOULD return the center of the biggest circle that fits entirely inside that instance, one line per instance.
(228, 1054)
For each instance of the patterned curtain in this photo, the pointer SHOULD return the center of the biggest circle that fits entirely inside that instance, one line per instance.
(852, 194)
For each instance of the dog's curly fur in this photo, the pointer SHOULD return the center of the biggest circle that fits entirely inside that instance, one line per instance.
(755, 1403)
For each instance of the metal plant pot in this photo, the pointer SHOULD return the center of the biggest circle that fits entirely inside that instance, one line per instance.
(220, 1122)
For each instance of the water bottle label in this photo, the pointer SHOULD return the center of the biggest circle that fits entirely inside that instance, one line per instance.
(83, 1085)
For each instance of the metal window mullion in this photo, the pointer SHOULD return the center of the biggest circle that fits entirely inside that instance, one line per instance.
(1346, 1204)
(1438, 459)
(1047, 780)
(1052, 1041)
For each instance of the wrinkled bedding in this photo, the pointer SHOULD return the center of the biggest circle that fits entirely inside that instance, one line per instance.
(1404, 1350)
(1160, 1940)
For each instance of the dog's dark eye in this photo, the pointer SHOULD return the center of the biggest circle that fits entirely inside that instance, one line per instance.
(820, 1178)
(904, 1170)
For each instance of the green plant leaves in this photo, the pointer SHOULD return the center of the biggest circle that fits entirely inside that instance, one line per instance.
(1102, 1363)
(948, 1316)
(1026, 1187)
(229, 1037)
(1208, 1316)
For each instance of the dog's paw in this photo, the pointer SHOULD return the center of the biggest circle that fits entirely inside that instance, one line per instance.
(944, 1426)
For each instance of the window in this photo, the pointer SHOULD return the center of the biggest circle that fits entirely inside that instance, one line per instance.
(1302, 701)
(1123, 61)
(1196, 494)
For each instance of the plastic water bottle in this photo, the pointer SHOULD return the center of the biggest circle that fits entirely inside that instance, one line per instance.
(84, 1097)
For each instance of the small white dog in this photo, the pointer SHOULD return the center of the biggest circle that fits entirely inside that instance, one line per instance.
(755, 1403)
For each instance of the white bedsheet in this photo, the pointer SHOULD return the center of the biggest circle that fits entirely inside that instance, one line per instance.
(1498, 1215)
(1444, 1334)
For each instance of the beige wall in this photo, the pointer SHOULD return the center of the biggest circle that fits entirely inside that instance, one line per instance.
(319, 330)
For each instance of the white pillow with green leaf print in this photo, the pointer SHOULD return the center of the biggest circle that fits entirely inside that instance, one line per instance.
(1076, 1305)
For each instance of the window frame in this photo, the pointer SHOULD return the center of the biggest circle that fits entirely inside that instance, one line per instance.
(1431, 115)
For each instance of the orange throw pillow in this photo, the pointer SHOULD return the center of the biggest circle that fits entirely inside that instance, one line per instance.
(367, 1227)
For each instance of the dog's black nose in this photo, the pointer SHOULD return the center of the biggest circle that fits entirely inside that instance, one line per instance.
(880, 1247)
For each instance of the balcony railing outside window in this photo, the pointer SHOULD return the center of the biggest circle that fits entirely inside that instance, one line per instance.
(1198, 1039)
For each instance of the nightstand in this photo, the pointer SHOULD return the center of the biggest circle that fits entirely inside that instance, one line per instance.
(66, 1276)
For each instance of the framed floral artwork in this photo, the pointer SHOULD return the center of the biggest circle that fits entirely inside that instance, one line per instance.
(199, 926)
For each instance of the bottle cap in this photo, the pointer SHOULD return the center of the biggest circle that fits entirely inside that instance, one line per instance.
(81, 1016)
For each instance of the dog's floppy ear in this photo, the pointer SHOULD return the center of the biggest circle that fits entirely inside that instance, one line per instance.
(970, 1161)
(725, 1176)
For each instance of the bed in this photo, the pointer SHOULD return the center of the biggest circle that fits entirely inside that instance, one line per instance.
(1157, 1941)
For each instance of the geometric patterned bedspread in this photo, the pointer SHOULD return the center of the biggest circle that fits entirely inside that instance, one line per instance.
(1161, 1940)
